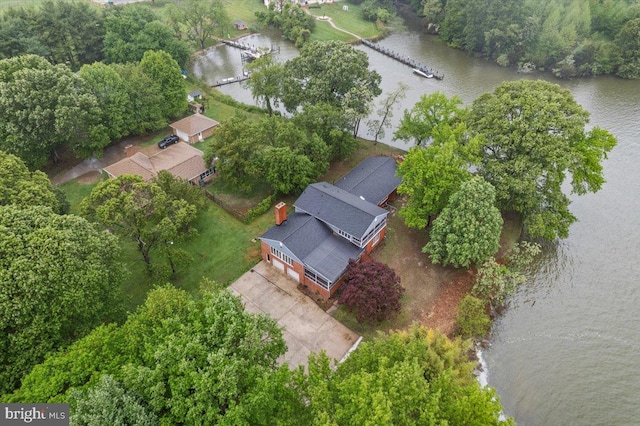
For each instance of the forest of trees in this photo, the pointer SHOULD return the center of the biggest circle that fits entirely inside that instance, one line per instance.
(568, 37)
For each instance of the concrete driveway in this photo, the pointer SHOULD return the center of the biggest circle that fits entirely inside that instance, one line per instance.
(306, 327)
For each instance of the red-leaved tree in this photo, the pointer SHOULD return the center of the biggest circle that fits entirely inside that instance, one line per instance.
(372, 290)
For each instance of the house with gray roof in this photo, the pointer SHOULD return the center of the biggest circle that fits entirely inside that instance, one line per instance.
(331, 225)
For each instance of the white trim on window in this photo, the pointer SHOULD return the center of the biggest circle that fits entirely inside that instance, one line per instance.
(280, 255)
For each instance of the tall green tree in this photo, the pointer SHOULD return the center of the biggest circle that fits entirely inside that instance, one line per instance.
(140, 211)
(324, 72)
(59, 277)
(235, 145)
(145, 109)
(201, 20)
(110, 90)
(21, 187)
(532, 133)
(427, 114)
(430, 175)
(628, 44)
(331, 124)
(468, 229)
(265, 81)
(132, 30)
(188, 360)
(18, 35)
(72, 31)
(43, 107)
(166, 72)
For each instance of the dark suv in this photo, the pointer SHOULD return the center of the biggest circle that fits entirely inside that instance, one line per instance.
(169, 140)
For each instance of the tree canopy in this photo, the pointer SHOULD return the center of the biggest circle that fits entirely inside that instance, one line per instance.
(532, 133)
(296, 25)
(287, 157)
(430, 175)
(142, 212)
(200, 20)
(132, 30)
(166, 73)
(187, 360)
(468, 229)
(569, 37)
(21, 187)
(409, 377)
(324, 72)
(44, 106)
(429, 113)
(63, 32)
(59, 278)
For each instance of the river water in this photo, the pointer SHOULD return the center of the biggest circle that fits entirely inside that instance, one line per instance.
(567, 349)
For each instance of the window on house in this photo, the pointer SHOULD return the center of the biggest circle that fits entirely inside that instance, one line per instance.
(280, 255)
(322, 282)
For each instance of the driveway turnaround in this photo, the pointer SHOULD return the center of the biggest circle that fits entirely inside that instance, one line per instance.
(306, 327)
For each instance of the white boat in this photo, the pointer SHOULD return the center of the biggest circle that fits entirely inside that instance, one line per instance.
(423, 73)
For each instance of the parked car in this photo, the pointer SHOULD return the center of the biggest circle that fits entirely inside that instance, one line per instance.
(169, 140)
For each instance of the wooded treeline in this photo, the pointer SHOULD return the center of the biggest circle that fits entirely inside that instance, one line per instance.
(569, 37)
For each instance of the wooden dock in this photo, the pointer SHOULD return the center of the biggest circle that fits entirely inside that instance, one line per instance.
(402, 59)
(231, 80)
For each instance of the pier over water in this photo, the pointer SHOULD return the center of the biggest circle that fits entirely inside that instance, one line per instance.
(403, 59)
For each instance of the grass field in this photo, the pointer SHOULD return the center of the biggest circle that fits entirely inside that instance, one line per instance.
(350, 20)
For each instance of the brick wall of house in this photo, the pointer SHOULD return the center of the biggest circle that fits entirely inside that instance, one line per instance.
(205, 134)
(371, 245)
(268, 257)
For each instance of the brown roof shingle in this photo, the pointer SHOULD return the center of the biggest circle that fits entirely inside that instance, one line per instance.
(181, 160)
(194, 124)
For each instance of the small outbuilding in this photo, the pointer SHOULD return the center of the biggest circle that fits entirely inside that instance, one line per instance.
(239, 25)
(194, 128)
(193, 96)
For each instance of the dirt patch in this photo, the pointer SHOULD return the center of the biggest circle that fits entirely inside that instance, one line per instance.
(444, 308)
(432, 292)
(89, 178)
(423, 281)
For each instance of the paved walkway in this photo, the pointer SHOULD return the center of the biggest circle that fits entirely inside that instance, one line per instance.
(110, 155)
(306, 327)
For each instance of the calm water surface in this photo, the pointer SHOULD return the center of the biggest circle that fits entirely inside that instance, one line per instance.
(567, 350)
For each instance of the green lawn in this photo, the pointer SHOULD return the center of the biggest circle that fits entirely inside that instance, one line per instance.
(76, 192)
(324, 32)
(350, 20)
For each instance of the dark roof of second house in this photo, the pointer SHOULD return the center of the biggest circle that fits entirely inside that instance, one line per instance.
(373, 179)
(338, 208)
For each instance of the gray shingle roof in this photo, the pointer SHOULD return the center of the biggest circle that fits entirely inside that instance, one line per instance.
(338, 208)
(301, 234)
(374, 179)
(331, 257)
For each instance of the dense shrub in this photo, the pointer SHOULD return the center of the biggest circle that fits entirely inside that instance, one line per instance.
(472, 319)
(372, 290)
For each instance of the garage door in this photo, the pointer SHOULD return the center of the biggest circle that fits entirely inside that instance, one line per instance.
(293, 274)
(278, 264)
